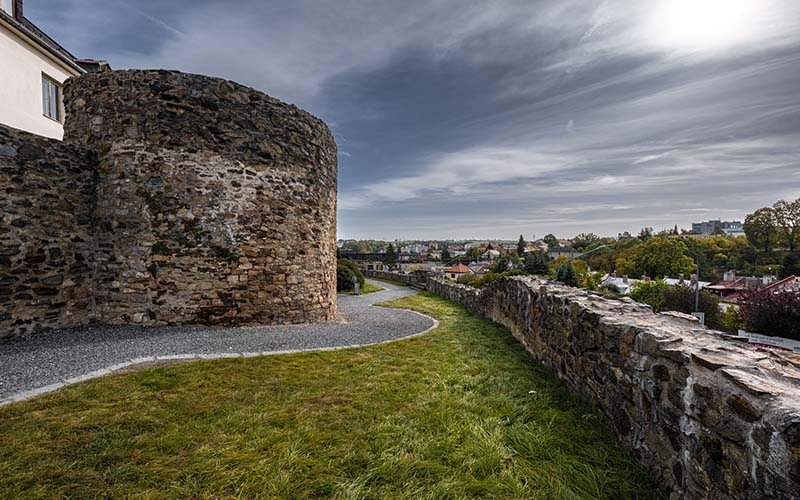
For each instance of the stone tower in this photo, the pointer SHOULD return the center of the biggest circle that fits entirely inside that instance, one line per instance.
(210, 203)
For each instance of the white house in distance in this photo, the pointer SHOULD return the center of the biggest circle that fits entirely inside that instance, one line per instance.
(33, 67)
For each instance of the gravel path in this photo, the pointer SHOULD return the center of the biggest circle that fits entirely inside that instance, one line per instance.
(46, 362)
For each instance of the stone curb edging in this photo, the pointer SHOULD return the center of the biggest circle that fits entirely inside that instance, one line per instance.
(30, 394)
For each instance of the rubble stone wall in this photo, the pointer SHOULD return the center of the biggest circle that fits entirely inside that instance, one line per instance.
(710, 417)
(46, 240)
(211, 203)
(413, 279)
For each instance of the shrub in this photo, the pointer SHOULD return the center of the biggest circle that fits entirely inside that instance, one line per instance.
(485, 280)
(591, 282)
(344, 278)
(731, 320)
(610, 289)
(467, 279)
(345, 270)
(791, 265)
(650, 293)
(776, 314)
(681, 299)
(353, 267)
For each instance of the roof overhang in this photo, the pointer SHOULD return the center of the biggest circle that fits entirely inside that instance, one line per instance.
(31, 39)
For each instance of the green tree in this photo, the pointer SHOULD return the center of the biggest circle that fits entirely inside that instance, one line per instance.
(790, 265)
(501, 265)
(583, 240)
(521, 246)
(682, 299)
(566, 274)
(391, 255)
(787, 220)
(650, 293)
(446, 253)
(592, 281)
(551, 241)
(646, 233)
(473, 253)
(536, 263)
(761, 228)
(659, 257)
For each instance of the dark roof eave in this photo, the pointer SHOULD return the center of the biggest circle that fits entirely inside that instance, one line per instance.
(36, 35)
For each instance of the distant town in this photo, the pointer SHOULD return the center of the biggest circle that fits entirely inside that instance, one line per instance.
(709, 270)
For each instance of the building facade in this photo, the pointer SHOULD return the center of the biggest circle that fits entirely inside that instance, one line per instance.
(729, 228)
(34, 68)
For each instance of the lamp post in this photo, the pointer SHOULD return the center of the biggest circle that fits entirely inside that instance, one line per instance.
(558, 271)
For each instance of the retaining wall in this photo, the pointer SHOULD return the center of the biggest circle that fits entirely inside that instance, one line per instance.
(46, 233)
(413, 279)
(710, 417)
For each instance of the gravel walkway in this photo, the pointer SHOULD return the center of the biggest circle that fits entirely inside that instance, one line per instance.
(46, 362)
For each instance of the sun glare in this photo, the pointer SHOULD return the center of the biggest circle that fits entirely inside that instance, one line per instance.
(704, 24)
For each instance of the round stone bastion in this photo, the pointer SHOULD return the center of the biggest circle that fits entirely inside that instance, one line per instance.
(216, 204)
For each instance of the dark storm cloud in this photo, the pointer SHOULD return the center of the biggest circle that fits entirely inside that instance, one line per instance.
(491, 119)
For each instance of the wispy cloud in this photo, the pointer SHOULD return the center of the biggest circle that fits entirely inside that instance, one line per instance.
(465, 117)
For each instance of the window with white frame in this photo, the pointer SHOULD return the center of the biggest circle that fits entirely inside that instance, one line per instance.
(7, 6)
(51, 98)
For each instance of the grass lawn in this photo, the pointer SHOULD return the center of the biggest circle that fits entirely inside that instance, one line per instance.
(459, 413)
(367, 288)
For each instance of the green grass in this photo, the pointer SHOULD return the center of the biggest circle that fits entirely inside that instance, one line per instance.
(459, 413)
(366, 289)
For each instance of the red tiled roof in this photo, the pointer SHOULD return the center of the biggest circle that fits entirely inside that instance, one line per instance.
(784, 281)
(460, 268)
(729, 285)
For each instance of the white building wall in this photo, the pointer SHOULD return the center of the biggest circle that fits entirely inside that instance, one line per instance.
(21, 68)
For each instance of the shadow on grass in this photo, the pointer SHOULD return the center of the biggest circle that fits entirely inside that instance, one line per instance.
(458, 413)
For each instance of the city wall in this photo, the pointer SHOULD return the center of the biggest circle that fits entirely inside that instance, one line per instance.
(708, 416)
(173, 199)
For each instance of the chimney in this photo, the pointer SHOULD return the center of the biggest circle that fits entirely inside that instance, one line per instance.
(680, 278)
(646, 278)
(693, 279)
(614, 274)
(17, 9)
(625, 279)
(729, 275)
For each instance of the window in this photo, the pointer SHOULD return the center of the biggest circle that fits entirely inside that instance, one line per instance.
(51, 98)
(7, 6)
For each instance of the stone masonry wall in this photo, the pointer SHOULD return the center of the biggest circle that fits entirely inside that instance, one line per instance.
(216, 203)
(173, 199)
(413, 279)
(46, 243)
(711, 418)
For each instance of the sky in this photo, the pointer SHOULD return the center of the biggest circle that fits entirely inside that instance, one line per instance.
(495, 118)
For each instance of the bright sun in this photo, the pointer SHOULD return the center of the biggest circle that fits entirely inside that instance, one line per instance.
(704, 24)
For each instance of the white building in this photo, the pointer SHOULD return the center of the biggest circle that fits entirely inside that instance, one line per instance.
(34, 67)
